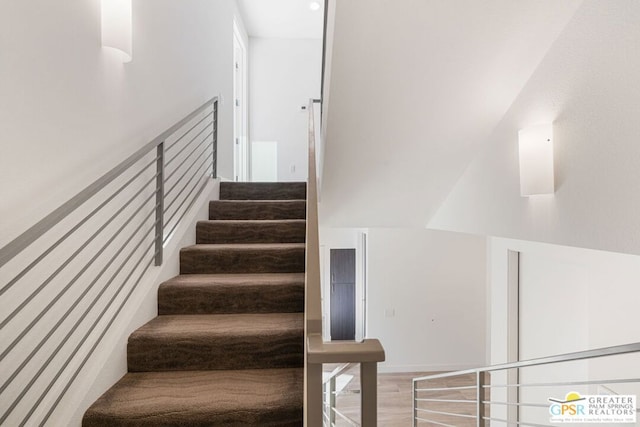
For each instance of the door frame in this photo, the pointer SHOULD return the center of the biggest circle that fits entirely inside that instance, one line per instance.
(241, 148)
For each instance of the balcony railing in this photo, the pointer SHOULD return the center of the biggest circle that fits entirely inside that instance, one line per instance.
(522, 393)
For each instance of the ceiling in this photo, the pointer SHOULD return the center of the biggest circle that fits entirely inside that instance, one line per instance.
(416, 88)
(282, 18)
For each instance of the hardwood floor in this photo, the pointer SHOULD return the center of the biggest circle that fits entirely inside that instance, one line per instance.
(395, 404)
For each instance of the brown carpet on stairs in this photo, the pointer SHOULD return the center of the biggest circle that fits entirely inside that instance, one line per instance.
(227, 346)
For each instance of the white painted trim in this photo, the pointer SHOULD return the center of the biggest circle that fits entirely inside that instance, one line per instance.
(244, 170)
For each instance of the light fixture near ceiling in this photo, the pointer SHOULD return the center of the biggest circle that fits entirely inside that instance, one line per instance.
(314, 5)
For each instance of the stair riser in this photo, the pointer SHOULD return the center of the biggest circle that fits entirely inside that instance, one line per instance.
(289, 260)
(263, 190)
(257, 210)
(231, 299)
(256, 232)
(205, 353)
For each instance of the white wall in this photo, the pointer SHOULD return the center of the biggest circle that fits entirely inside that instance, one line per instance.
(416, 86)
(588, 86)
(435, 282)
(283, 75)
(70, 110)
(571, 299)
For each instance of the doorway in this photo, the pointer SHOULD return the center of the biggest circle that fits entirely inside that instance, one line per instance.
(240, 137)
(343, 294)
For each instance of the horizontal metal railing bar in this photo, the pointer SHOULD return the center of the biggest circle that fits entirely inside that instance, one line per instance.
(204, 165)
(17, 245)
(175, 225)
(569, 357)
(338, 371)
(74, 352)
(53, 302)
(175, 143)
(187, 169)
(97, 342)
(420, 399)
(188, 197)
(562, 384)
(186, 157)
(451, 414)
(528, 405)
(434, 422)
(193, 200)
(519, 423)
(351, 421)
(195, 138)
(470, 387)
(73, 229)
(77, 252)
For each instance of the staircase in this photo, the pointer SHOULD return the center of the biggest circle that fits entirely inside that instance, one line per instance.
(227, 346)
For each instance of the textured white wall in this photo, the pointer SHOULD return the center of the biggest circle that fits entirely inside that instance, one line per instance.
(588, 86)
(436, 284)
(70, 110)
(283, 75)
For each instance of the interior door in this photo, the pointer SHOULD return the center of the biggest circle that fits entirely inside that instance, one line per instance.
(343, 294)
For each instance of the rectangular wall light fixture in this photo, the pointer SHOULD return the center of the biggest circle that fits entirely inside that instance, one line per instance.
(117, 26)
(536, 160)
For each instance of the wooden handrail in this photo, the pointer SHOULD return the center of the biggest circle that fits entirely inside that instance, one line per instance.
(317, 352)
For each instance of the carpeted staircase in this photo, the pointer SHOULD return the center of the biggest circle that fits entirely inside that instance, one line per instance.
(227, 345)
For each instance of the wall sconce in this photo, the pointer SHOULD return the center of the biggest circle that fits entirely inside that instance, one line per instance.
(117, 26)
(536, 160)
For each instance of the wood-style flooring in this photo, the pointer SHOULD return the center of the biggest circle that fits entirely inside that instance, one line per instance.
(394, 400)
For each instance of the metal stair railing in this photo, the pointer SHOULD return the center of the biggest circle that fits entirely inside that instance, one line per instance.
(60, 302)
(494, 395)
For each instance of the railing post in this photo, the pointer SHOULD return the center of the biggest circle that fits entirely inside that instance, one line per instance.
(214, 168)
(332, 401)
(159, 203)
(369, 385)
(414, 396)
(480, 382)
(314, 398)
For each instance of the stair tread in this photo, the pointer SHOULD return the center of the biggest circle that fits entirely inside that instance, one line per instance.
(258, 209)
(243, 246)
(253, 221)
(250, 231)
(266, 397)
(232, 293)
(212, 325)
(233, 279)
(263, 190)
(259, 201)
